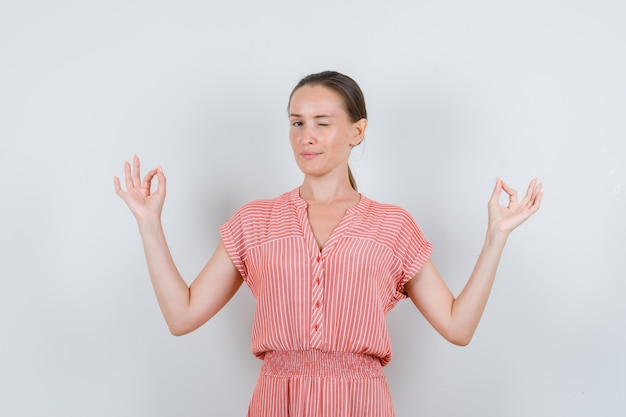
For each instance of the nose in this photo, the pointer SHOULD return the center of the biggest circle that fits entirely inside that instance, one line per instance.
(308, 136)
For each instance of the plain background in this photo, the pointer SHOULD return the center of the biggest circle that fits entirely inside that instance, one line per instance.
(458, 93)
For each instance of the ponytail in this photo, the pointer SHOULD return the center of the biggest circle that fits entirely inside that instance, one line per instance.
(352, 180)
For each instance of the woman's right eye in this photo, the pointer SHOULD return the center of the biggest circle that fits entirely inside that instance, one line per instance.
(296, 123)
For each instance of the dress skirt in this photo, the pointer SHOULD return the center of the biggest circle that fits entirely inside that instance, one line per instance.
(313, 383)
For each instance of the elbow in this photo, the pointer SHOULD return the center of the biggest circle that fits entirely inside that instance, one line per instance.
(183, 325)
(459, 338)
(178, 329)
(460, 341)
(177, 332)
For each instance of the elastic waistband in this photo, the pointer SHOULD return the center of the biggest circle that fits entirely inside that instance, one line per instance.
(324, 364)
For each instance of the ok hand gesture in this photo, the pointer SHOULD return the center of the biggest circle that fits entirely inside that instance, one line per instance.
(507, 218)
(142, 202)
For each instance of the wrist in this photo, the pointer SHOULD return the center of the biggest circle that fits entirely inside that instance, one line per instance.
(497, 235)
(149, 223)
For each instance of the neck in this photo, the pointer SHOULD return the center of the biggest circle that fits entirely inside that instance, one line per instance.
(326, 190)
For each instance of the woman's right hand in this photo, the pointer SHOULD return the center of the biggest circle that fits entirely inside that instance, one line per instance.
(142, 202)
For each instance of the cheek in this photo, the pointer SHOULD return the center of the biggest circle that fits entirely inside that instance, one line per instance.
(344, 137)
(293, 141)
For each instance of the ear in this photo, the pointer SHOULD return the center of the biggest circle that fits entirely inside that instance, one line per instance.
(359, 132)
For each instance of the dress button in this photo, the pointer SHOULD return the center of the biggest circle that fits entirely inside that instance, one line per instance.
(318, 304)
(315, 327)
(319, 258)
(317, 281)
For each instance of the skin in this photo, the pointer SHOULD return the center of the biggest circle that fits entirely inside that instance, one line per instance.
(321, 136)
(185, 308)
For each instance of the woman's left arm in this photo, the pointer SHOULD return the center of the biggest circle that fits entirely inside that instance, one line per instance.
(456, 319)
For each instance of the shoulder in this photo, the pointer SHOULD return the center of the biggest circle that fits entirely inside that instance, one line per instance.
(386, 223)
(266, 214)
(263, 207)
(385, 213)
(260, 221)
(393, 227)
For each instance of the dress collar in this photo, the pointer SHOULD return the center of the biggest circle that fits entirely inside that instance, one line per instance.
(299, 202)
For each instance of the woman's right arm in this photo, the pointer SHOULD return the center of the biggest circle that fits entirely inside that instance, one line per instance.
(184, 307)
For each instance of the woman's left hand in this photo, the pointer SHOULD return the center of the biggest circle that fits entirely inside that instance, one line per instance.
(507, 218)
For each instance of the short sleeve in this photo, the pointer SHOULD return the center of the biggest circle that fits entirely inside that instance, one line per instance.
(234, 238)
(413, 250)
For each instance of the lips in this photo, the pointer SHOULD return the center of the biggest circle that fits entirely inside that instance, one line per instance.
(309, 155)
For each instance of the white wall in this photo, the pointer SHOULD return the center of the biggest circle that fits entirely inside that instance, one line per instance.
(458, 93)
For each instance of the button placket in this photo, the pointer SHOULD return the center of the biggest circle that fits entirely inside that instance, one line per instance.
(317, 302)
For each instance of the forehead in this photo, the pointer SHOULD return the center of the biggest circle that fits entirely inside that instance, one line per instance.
(315, 100)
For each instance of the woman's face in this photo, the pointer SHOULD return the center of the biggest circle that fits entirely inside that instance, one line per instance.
(320, 132)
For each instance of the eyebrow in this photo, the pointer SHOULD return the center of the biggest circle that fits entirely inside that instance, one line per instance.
(321, 116)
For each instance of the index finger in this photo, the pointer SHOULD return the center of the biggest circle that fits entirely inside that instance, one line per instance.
(497, 189)
(510, 191)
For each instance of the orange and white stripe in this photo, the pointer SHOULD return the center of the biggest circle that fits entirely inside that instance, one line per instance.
(320, 320)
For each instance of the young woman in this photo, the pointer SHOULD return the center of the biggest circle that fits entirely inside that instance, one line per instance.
(325, 264)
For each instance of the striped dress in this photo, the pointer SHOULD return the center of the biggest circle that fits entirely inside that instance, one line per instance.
(320, 320)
